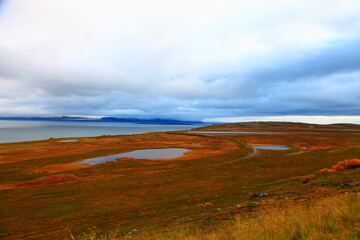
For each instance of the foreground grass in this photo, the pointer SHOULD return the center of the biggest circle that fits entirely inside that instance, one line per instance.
(332, 218)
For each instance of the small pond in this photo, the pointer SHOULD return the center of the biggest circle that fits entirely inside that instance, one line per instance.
(223, 132)
(271, 147)
(65, 141)
(160, 153)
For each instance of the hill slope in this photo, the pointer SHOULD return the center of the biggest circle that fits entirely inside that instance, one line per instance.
(281, 126)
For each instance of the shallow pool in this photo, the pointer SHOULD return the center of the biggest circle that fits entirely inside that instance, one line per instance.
(223, 132)
(65, 141)
(271, 147)
(160, 153)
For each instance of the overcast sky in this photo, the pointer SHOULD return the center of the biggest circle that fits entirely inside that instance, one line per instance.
(186, 59)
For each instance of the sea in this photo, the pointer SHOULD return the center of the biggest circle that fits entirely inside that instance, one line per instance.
(19, 131)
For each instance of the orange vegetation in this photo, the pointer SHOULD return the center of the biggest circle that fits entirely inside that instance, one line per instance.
(321, 147)
(60, 168)
(55, 179)
(308, 178)
(206, 206)
(347, 164)
(343, 165)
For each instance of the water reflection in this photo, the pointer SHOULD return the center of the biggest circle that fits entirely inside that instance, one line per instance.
(66, 141)
(271, 147)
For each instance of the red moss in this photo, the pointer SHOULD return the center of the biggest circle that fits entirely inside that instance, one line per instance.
(308, 178)
(324, 171)
(49, 180)
(321, 148)
(206, 206)
(61, 168)
(222, 217)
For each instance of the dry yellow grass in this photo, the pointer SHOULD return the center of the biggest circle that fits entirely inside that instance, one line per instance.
(332, 218)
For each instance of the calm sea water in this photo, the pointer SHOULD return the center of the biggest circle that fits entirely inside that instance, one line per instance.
(16, 131)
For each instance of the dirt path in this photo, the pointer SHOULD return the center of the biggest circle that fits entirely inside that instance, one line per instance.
(253, 153)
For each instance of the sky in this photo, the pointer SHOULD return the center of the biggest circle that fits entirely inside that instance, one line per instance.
(214, 60)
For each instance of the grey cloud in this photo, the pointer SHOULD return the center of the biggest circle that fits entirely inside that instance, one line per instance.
(342, 58)
(173, 63)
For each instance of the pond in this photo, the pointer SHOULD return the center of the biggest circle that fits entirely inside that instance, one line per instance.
(66, 141)
(223, 132)
(270, 147)
(160, 153)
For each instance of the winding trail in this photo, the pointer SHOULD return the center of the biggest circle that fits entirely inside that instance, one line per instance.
(252, 154)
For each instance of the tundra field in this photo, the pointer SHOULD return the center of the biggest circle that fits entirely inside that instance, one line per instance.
(225, 187)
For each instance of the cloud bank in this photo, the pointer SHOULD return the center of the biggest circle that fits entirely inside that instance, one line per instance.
(180, 59)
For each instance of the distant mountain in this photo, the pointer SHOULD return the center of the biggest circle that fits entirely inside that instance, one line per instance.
(153, 120)
(60, 118)
(103, 119)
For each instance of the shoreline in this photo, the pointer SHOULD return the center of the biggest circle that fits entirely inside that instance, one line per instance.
(76, 138)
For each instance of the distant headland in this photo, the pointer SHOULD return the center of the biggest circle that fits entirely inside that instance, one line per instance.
(104, 119)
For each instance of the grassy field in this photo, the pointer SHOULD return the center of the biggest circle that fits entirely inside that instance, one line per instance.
(44, 196)
(331, 218)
